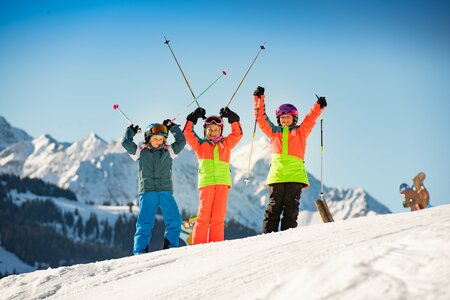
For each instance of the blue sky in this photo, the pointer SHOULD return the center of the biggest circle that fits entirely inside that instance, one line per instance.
(384, 67)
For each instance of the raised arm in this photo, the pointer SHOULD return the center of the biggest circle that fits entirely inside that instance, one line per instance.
(310, 119)
(260, 112)
(180, 140)
(189, 133)
(236, 130)
(127, 141)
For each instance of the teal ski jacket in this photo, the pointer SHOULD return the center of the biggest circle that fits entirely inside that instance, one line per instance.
(154, 165)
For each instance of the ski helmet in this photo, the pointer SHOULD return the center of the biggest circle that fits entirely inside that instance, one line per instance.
(216, 120)
(192, 218)
(404, 187)
(287, 109)
(155, 129)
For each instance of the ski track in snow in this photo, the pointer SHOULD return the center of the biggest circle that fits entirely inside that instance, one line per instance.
(400, 256)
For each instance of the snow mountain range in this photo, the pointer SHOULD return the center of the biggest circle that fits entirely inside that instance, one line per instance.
(99, 173)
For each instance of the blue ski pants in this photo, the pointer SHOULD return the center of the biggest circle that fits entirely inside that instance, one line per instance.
(148, 203)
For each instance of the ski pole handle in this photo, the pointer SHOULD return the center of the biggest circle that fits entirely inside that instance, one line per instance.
(217, 79)
(246, 73)
(166, 41)
(116, 107)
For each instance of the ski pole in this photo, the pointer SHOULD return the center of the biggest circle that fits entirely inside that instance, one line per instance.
(248, 70)
(247, 180)
(321, 203)
(217, 79)
(116, 107)
(321, 154)
(181, 70)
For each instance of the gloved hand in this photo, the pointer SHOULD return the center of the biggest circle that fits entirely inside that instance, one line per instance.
(225, 112)
(259, 91)
(135, 129)
(168, 123)
(199, 112)
(322, 102)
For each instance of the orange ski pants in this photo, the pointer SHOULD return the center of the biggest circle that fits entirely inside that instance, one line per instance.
(210, 224)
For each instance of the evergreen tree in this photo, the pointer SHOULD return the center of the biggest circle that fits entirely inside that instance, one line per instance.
(92, 227)
(69, 218)
(107, 232)
(79, 227)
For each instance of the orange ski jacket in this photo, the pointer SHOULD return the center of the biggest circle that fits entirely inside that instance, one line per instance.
(288, 144)
(213, 158)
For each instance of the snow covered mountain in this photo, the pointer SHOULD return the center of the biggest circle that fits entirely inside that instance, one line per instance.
(10, 135)
(100, 172)
(92, 168)
(395, 256)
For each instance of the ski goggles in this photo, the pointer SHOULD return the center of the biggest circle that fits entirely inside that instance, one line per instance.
(157, 129)
(213, 120)
(286, 110)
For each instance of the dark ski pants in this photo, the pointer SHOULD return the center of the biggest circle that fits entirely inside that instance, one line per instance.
(284, 198)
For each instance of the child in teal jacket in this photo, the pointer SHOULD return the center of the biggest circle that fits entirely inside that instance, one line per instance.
(154, 159)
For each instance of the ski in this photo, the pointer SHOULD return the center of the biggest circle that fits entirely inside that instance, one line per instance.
(324, 211)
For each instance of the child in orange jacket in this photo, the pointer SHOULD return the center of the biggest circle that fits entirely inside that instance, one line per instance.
(287, 175)
(214, 178)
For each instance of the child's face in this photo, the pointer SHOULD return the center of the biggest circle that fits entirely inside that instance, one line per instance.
(286, 120)
(212, 131)
(156, 141)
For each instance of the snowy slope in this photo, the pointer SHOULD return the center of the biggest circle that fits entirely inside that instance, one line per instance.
(395, 256)
(108, 213)
(10, 263)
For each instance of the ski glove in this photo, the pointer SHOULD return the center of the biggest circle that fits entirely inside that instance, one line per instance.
(259, 91)
(135, 129)
(168, 123)
(322, 102)
(225, 112)
(198, 113)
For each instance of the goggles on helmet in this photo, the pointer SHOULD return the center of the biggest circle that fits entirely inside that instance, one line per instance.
(214, 120)
(286, 109)
(156, 129)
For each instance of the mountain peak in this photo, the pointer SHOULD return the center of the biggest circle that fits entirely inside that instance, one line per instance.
(10, 135)
(88, 148)
(94, 137)
(92, 141)
(47, 138)
(3, 122)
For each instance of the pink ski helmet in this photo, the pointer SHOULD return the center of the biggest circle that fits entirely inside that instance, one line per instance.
(216, 120)
(287, 109)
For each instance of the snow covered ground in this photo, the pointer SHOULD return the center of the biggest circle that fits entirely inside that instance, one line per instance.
(10, 263)
(396, 256)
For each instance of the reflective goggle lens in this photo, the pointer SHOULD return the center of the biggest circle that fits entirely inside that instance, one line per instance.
(286, 111)
(213, 120)
(159, 129)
